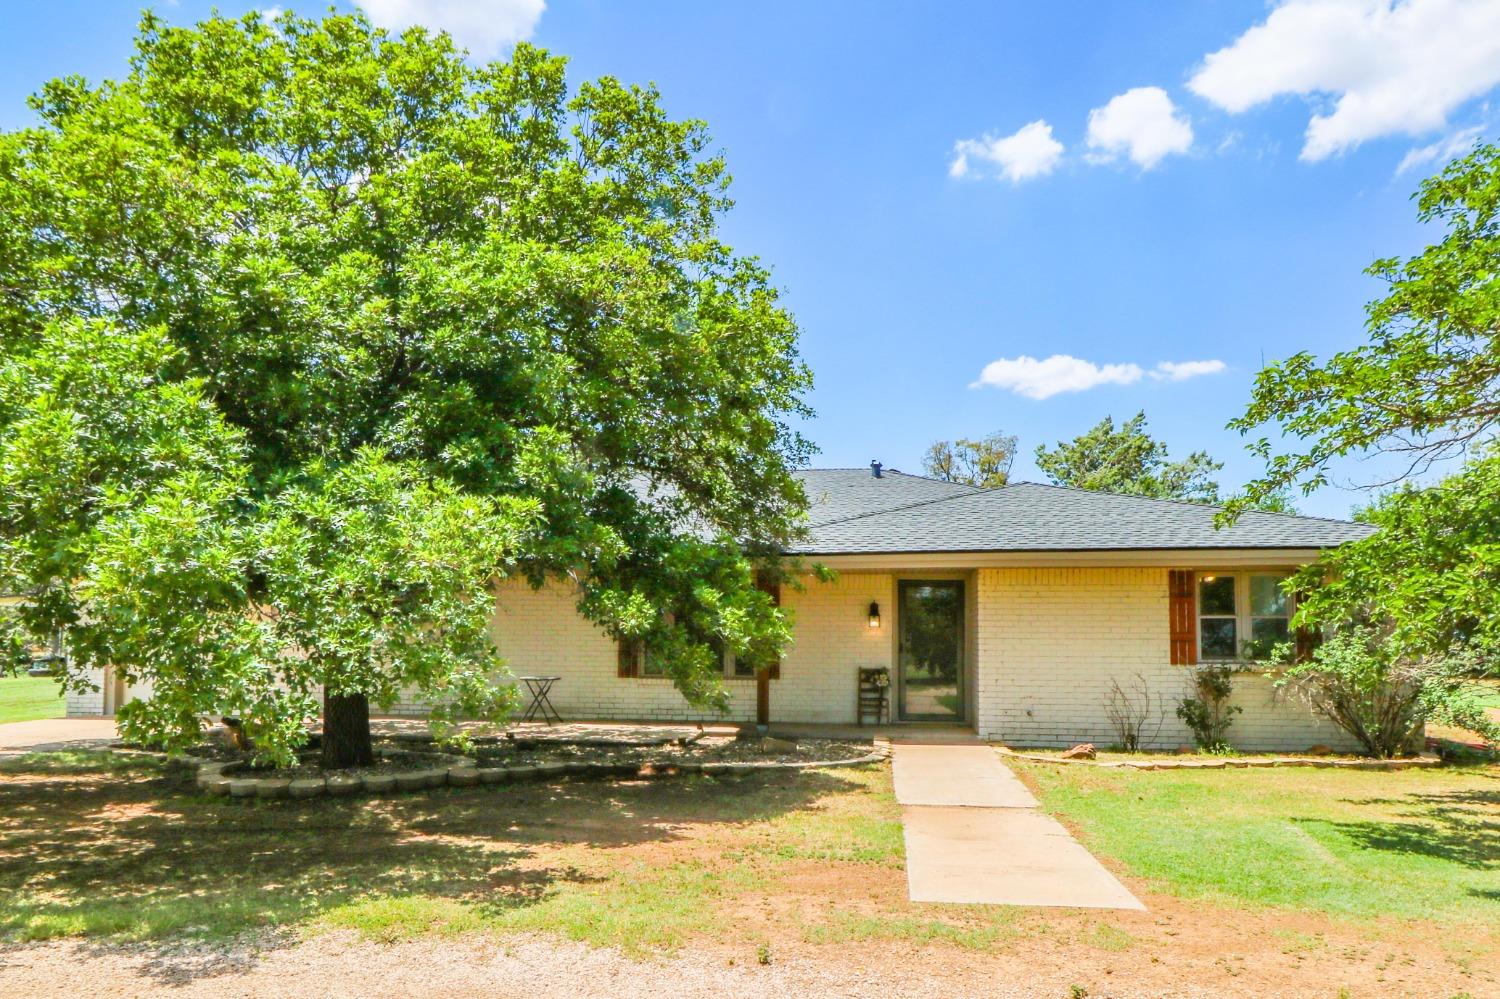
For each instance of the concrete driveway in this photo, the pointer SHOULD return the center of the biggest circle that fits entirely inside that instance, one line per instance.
(975, 834)
(50, 734)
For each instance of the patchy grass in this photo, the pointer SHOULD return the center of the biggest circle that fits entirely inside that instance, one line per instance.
(1421, 844)
(28, 698)
(108, 846)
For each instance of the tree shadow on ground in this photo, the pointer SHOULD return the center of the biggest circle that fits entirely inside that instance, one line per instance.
(1461, 827)
(138, 853)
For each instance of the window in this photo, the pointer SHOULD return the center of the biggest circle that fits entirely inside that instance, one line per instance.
(637, 659)
(1270, 611)
(1241, 615)
(1218, 623)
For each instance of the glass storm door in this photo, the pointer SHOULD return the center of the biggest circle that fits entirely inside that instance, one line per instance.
(930, 618)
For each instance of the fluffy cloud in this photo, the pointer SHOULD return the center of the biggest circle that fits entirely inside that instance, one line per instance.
(1140, 123)
(1441, 151)
(1391, 66)
(1177, 371)
(484, 27)
(1059, 373)
(1029, 152)
(1041, 379)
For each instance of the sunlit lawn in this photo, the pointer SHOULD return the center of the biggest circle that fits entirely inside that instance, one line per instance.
(1414, 844)
(28, 698)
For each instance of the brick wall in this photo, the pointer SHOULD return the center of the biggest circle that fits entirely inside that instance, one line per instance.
(1045, 644)
(1050, 640)
(88, 703)
(539, 632)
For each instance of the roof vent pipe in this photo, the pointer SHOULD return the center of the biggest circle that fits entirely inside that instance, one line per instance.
(875, 467)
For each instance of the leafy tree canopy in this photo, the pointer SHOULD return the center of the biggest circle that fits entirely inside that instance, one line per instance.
(1129, 460)
(1427, 384)
(984, 462)
(1430, 578)
(1423, 592)
(310, 331)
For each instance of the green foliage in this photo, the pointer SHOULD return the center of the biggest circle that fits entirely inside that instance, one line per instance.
(1363, 682)
(1427, 384)
(984, 462)
(1430, 577)
(1206, 710)
(1421, 595)
(310, 331)
(1129, 460)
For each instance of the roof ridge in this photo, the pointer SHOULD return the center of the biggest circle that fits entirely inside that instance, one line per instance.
(1178, 502)
(905, 506)
(897, 471)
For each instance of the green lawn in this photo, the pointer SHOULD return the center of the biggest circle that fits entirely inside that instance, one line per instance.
(27, 698)
(1413, 844)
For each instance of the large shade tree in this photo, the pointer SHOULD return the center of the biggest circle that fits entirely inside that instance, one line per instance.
(310, 332)
(1424, 392)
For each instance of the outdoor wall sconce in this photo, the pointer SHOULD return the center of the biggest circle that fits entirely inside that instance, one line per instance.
(874, 614)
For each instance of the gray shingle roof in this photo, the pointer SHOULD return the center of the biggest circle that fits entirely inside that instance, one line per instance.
(854, 513)
(835, 494)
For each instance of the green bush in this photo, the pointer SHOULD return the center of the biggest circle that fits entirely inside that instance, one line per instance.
(1206, 710)
(1358, 680)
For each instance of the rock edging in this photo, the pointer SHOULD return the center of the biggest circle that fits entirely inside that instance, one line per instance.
(461, 771)
(1232, 762)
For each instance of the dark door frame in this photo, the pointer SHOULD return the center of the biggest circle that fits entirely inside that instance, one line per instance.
(961, 671)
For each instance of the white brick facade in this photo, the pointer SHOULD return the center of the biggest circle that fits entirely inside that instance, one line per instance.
(1050, 641)
(1042, 646)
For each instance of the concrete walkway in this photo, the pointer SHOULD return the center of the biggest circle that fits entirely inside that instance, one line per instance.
(51, 734)
(974, 834)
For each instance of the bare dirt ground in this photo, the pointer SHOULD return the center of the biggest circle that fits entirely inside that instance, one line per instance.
(1176, 949)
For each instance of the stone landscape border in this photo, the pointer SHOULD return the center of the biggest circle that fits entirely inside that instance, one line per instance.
(1233, 762)
(461, 771)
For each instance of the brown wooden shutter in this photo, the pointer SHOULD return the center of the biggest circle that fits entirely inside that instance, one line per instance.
(1182, 606)
(773, 590)
(627, 657)
(1307, 639)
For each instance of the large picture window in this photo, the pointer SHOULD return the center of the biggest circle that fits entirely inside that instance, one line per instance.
(1241, 615)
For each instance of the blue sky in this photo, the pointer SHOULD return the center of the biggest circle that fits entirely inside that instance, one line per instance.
(939, 204)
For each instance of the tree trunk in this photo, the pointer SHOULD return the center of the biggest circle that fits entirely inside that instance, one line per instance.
(346, 731)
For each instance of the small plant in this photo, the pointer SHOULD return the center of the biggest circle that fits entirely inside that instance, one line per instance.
(1076, 991)
(1131, 711)
(763, 953)
(1206, 710)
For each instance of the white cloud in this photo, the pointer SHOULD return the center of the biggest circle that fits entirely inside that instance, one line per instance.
(484, 27)
(1177, 371)
(1140, 123)
(1053, 375)
(1041, 379)
(1030, 152)
(1390, 66)
(1441, 151)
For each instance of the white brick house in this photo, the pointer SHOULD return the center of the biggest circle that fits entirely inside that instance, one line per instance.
(1007, 610)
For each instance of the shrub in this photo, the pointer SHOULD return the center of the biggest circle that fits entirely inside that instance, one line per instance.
(1206, 710)
(1360, 682)
(1131, 711)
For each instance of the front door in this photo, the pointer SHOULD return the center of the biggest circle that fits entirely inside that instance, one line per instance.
(930, 621)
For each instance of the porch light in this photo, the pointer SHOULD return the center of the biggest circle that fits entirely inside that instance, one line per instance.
(874, 614)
